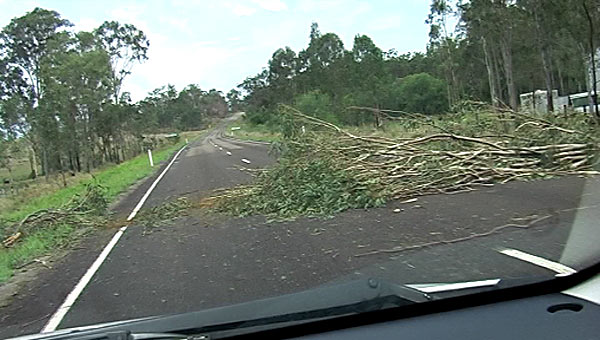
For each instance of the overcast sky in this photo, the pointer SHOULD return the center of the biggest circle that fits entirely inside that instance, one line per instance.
(217, 44)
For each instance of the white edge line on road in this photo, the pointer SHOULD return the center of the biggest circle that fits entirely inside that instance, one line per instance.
(60, 313)
(245, 161)
(85, 279)
(556, 267)
(149, 191)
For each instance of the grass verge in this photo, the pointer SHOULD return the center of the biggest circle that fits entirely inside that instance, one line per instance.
(35, 245)
(114, 179)
(251, 132)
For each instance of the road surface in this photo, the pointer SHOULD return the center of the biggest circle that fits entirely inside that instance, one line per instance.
(201, 261)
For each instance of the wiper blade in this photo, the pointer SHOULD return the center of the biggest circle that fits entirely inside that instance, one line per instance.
(126, 335)
(324, 302)
(159, 336)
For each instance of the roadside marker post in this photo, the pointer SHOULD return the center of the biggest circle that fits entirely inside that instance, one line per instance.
(150, 158)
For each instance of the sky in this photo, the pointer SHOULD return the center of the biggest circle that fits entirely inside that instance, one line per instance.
(217, 44)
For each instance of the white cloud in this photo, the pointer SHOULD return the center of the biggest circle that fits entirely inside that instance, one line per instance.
(131, 14)
(242, 10)
(271, 5)
(239, 9)
(87, 24)
(195, 63)
(179, 23)
(316, 5)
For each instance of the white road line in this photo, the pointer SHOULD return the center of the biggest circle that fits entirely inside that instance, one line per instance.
(85, 279)
(60, 313)
(559, 268)
(228, 153)
(149, 191)
(245, 161)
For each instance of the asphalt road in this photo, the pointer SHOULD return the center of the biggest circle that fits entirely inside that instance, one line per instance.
(201, 261)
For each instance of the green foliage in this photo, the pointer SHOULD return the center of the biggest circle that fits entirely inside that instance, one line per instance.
(35, 245)
(115, 179)
(317, 104)
(300, 185)
(261, 116)
(190, 109)
(161, 214)
(253, 132)
(89, 197)
(422, 93)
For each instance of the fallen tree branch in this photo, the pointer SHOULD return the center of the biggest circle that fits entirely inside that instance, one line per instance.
(455, 240)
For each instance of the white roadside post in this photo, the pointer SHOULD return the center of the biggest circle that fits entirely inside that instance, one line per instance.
(150, 157)
(186, 141)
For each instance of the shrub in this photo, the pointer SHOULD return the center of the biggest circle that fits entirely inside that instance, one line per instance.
(316, 104)
(422, 93)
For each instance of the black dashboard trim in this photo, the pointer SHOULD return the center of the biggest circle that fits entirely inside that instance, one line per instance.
(555, 285)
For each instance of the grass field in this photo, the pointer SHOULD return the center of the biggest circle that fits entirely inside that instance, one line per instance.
(250, 131)
(20, 171)
(115, 179)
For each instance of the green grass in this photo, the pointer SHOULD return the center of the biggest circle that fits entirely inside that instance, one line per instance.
(35, 245)
(20, 171)
(115, 179)
(249, 131)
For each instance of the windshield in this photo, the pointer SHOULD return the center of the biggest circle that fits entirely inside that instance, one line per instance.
(175, 156)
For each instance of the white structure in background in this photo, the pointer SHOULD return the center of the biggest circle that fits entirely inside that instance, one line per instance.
(538, 100)
(578, 101)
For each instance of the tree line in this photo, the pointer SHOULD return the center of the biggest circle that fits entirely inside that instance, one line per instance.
(498, 49)
(61, 92)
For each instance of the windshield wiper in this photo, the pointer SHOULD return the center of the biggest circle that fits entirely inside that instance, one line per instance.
(128, 335)
(353, 297)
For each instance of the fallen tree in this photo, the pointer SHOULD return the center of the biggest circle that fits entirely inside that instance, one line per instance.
(478, 146)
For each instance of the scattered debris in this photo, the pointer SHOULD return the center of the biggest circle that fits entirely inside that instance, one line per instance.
(460, 239)
(83, 211)
(446, 154)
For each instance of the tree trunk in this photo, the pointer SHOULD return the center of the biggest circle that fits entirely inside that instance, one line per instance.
(71, 161)
(10, 176)
(491, 74)
(593, 61)
(508, 70)
(78, 160)
(561, 81)
(45, 164)
(32, 161)
(496, 69)
(546, 61)
(62, 170)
